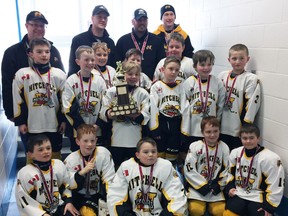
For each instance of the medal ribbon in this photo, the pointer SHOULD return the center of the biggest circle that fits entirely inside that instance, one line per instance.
(82, 90)
(48, 87)
(231, 89)
(145, 192)
(142, 50)
(210, 169)
(48, 191)
(109, 84)
(203, 105)
(245, 182)
(87, 178)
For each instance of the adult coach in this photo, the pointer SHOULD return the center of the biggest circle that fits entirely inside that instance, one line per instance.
(148, 43)
(168, 16)
(16, 57)
(95, 33)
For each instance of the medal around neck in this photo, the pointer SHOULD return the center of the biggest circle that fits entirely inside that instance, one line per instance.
(124, 105)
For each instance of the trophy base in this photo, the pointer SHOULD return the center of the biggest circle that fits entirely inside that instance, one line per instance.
(124, 110)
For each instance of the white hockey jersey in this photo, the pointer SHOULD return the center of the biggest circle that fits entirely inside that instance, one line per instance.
(243, 104)
(215, 103)
(108, 75)
(29, 182)
(196, 170)
(166, 185)
(103, 172)
(186, 70)
(30, 99)
(126, 132)
(266, 180)
(75, 103)
(170, 102)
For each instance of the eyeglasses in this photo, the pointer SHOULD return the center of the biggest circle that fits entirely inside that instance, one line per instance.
(36, 25)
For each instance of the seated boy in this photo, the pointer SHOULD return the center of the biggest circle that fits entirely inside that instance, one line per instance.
(88, 168)
(256, 183)
(206, 170)
(146, 185)
(42, 186)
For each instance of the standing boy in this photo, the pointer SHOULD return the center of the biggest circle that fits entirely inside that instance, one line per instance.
(89, 168)
(37, 95)
(205, 94)
(256, 184)
(206, 170)
(169, 111)
(176, 46)
(127, 129)
(242, 100)
(82, 95)
(43, 186)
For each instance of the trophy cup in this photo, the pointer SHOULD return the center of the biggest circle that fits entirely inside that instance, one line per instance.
(125, 105)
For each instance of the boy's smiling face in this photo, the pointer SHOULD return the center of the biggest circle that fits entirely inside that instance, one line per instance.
(41, 152)
(87, 143)
(249, 140)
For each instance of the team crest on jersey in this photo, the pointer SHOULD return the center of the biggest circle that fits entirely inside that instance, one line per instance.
(90, 108)
(145, 202)
(41, 99)
(229, 103)
(239, 182)
(197, 108)
(171, 110)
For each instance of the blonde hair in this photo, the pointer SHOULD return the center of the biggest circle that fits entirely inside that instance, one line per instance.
(100, 45)
(128, 66)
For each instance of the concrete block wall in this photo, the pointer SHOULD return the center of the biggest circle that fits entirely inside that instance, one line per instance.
(263, 26)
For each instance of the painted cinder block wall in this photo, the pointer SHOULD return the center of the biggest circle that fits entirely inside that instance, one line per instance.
(263, 26)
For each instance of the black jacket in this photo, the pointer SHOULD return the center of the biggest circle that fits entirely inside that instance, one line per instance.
(87, 38)
(153, 53)
(15, 58)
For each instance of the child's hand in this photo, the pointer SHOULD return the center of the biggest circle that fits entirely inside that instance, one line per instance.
(46, 214)
(232, 192)
(109, 114)
(70, 207)
(62, 127)
(23, 129)
(88, 167)
(266, 213)
(134, 115)
(96, 127)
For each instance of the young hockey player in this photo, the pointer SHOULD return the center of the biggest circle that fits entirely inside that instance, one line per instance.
(169, 111)
(206, 170)
(89, 168)
(37, 95)
(176, 46)
(43, 186)
(256, 183)
(82, 96)
(127, 128)
(205, 93)
(242, 96)
(106, 72)
(146, 185)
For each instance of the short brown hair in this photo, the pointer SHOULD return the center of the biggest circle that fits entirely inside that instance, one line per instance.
(85, 129)
(212, 120)
(202, 56)
(38, 42)
(38, 139)
(170, 59)
(132, 51)
(127, 66)
(82, 49)
(144, 140)
(250, 128)
(239, 47)
(177, 37)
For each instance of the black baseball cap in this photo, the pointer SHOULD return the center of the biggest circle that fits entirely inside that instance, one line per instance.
(36, 15)
(100, 8)
(138, 13)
